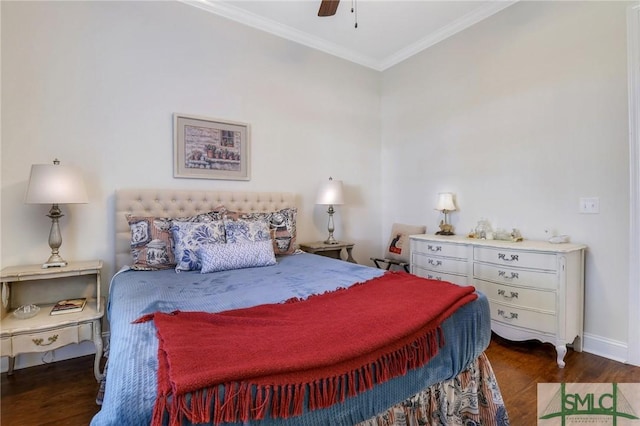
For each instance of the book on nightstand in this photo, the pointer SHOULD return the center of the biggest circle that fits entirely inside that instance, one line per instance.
(68, 306)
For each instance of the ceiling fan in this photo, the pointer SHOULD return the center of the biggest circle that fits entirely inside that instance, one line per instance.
(328, 7)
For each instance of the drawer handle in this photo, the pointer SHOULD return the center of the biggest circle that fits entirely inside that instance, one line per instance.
(434, 248)
(503, 293)
(433, 277)
(51, 339)
(512, 315)
(507, 257)
(435, 262)
(503, 274)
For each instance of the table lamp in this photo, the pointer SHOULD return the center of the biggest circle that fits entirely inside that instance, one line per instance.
(330, 194)
(445, 205)
(55, 184)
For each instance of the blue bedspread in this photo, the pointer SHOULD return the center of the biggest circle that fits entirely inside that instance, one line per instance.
(131, 376)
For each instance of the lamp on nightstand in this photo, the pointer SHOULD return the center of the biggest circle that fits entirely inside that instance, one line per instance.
(330, 194)
(445, 205)
(55, 184)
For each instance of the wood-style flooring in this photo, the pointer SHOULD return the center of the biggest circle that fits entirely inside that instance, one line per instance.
(64, 393)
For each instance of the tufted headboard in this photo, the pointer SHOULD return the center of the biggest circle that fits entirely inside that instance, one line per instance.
(180, 203)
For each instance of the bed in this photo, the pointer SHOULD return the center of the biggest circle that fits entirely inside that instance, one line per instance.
(454, 385)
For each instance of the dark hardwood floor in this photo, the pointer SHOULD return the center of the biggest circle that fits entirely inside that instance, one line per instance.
(61, 393)
(520, 366)
(64, 393)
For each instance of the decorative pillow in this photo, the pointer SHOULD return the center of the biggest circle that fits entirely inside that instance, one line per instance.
(189, 236)
(246, 231)
(398, 247)
(151, 243)
(282, 224)
(223, 257)
(217, 214)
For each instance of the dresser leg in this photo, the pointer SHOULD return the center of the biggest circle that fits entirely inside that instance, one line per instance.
(561, 350)
(12, 363)
(97, 341)
(577, 344)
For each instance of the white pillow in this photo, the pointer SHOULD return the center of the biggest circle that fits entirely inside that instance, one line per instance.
(223, 257)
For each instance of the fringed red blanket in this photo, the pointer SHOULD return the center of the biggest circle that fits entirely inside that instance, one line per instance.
(265, 360)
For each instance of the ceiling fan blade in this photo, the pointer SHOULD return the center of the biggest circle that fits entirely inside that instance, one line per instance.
(328, 7)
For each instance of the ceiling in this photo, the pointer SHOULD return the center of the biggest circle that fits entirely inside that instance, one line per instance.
(388, 31)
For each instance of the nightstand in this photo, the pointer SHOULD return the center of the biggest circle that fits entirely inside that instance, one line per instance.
(44, 287)
(329, 250)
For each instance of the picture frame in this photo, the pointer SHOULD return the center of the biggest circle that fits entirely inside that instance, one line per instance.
(210, 148)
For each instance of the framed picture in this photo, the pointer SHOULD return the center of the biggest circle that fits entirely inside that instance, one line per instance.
(208, 148)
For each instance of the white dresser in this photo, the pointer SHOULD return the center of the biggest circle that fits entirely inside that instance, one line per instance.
(535, 289)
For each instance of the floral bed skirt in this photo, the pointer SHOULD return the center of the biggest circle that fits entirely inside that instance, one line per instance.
(471, 398)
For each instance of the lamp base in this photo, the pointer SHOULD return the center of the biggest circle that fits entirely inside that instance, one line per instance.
(54, 261)
(330, 228)
(55, 239)
(445, 227)
(53, 265)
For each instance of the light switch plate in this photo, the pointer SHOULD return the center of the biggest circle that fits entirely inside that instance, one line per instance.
(590, 205)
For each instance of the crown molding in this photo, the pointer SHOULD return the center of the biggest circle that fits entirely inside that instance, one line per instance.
(445, 32)
(250, 19)
(233, 13)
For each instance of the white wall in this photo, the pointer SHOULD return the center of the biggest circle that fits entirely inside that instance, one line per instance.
(95, 84)
(520, 116)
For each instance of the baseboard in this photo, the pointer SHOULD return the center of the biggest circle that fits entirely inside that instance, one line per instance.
(66, 352)
(607, 348)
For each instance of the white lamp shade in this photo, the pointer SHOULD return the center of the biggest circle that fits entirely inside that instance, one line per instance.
(55, 184)
(445, 202)
(330, 193)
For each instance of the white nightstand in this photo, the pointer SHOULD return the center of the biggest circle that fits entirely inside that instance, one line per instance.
(329, 250)
(45, 332)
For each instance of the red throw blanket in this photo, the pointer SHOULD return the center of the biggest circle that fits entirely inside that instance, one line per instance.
(241, 364)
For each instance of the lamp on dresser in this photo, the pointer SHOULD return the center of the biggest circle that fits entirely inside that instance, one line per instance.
(330, 194)
(55, 184)
(445, 205)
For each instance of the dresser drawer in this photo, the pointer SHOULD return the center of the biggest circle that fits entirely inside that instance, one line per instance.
(439, 264)
(525, 259)
(523, 297)
(514, 276)
(538, 321)
(439, 249)
(48, 340)
(439, 276)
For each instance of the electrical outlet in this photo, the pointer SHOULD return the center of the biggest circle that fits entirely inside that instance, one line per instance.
(590, 205)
